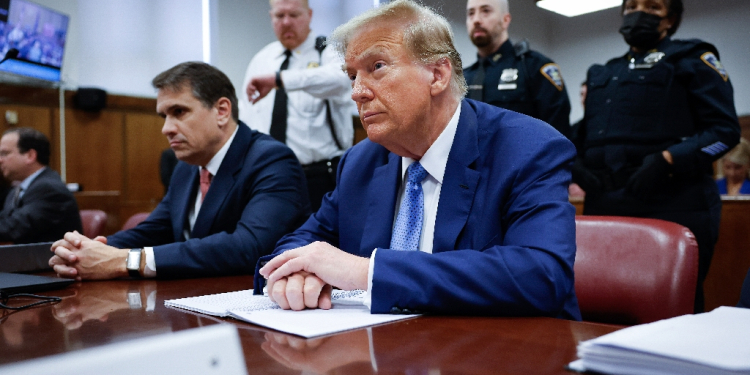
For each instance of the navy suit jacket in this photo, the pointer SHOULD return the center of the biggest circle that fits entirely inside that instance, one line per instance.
(46, 211)
(257, 196)
(504, 235)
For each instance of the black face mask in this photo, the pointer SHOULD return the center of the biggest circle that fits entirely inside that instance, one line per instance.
(641, 29)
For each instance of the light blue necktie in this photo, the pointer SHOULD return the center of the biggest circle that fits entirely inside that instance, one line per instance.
(408, 226)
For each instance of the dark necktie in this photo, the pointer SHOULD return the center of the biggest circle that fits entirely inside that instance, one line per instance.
(279, 114)
(16, 196)
(476, 87)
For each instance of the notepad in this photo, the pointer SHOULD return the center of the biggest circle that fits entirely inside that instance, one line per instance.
(348, 312)
(710, 343)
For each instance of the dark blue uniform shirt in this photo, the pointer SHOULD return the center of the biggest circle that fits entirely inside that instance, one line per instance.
(676, 97)
(527, 83)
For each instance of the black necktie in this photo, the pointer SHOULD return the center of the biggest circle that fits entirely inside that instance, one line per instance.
(279, 114)
(476, 86)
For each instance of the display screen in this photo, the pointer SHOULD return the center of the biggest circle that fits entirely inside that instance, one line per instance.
(38, 33)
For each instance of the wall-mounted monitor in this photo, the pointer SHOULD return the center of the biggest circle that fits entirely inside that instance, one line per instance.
(38, 34)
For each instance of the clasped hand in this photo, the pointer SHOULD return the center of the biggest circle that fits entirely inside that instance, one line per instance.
(77, 256)
(303, 277)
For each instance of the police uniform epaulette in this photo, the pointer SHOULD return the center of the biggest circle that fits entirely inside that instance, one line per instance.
(686, 46)
(521, 48)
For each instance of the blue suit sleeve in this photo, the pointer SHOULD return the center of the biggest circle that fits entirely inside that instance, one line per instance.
(268, 199)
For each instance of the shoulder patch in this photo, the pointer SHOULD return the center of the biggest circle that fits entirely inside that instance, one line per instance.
(711, 60)
(552, 72)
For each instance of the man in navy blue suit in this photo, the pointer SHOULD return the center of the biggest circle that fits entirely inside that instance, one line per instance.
(233, 194)
(452, 206)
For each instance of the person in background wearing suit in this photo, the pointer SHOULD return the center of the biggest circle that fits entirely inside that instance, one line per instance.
(296, 92)
(513, 77)
(40, 208)
(451, 206)
(234, 193)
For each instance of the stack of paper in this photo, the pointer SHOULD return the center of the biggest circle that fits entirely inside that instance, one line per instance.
(348, 312)
(711, 343)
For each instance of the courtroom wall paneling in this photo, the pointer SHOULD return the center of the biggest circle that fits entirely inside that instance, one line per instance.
(144, 144)
(39, 118)
(731, 255)
(94, 149)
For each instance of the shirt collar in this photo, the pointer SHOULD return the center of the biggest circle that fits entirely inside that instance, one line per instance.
(28, 180)
(506, 50)
(215, 163)
(308, 44)
(436, 157)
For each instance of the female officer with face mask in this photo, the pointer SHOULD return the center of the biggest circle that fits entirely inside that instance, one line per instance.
(656, 118)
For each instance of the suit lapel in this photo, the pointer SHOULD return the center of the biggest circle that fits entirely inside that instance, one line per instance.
(382, 193)
(222, 183)
(459, 182)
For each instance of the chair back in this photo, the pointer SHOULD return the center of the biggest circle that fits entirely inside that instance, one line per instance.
(94, 222)
(634, 271)
(135, 220)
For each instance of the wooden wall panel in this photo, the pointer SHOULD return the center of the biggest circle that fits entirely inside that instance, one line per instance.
(39, 118)
(94, 149)
(731, 259)
(144, 144)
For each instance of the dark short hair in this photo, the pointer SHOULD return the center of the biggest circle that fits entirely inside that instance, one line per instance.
(675, 10)
(207, 83)
(32, 139)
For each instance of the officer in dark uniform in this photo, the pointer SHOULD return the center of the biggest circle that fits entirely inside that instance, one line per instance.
(512, 77)
(656, 118)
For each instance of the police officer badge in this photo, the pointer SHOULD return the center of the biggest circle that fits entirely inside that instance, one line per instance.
(711, 60)
(653, 57)
(552, 72)
(508, 80)
(312, 65)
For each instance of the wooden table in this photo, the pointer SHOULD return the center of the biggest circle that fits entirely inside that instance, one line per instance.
(98, 313)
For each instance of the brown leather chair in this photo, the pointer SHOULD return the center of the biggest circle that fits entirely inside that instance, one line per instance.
(135, 220)
(94, 222)
(634, 271)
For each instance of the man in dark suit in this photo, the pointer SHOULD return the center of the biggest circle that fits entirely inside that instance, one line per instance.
(233, 194)
(452, 206)
(40, 208)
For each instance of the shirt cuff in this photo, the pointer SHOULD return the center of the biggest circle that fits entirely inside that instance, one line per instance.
(368, 296)
(150, 269)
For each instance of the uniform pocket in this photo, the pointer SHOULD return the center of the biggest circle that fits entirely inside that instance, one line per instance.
(644, 91)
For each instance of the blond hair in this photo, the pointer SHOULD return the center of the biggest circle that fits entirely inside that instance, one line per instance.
(427, 36)
(740, 154)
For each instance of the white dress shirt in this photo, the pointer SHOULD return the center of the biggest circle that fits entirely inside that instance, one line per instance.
(434, 162)
(213, 167)
(308, 86)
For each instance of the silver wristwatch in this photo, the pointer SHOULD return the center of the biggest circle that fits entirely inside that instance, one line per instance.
(133, 262)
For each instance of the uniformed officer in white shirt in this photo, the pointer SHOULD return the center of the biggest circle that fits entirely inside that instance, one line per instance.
(299, 91)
